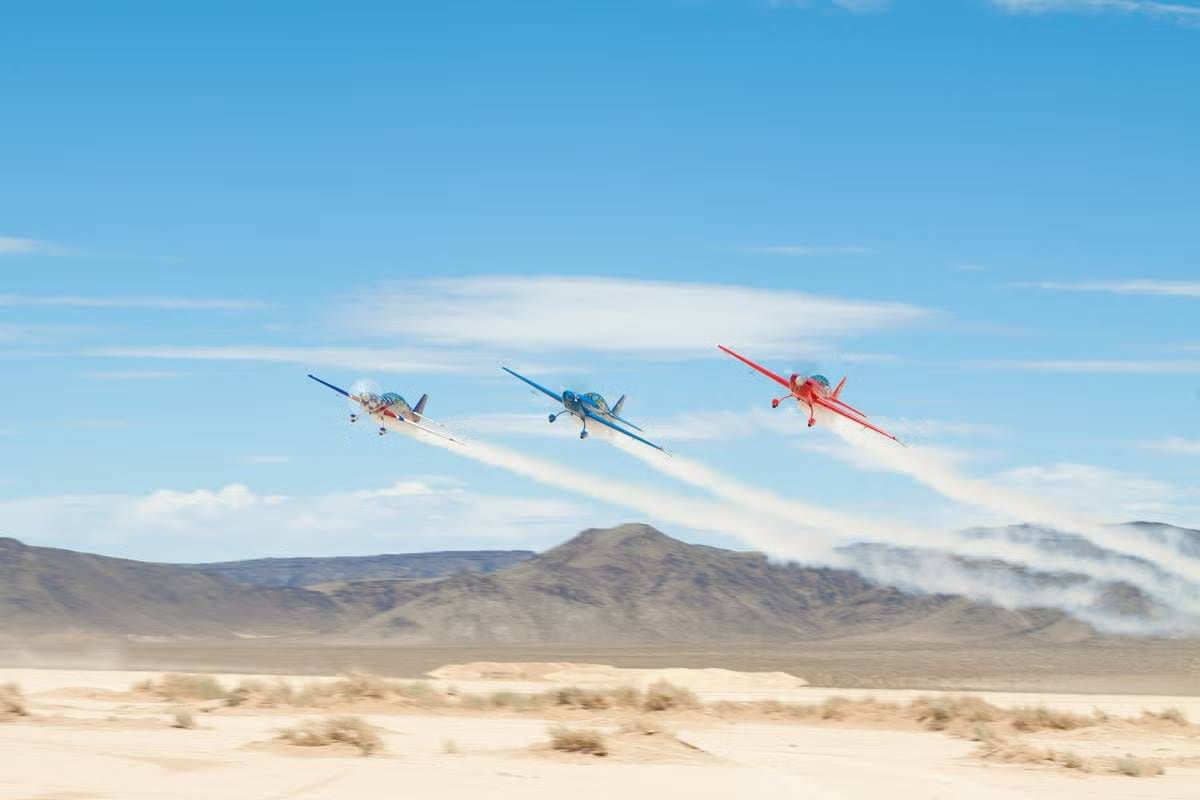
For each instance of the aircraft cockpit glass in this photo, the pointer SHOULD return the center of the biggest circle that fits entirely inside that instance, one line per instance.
(596, 399)
(391, 399)
(821, 379)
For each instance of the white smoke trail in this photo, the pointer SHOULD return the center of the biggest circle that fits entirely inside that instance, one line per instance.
(848, 529)
(783, 536)
(942, 478)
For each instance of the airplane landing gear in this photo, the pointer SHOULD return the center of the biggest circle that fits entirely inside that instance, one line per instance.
(583, 434)
(382, 431)
(553, 417)
(812, 421)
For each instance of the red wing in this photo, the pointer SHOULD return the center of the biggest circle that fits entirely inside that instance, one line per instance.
(836, 408)
(752, 365)
(844, 404)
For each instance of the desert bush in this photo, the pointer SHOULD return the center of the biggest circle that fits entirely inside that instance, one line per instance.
(834, 708)
(450, 747)
(184, 718)
(1137, 767)
(1171, 714)
(577, 740)
(183, 686)
(1036, 718)
(332, 730)
(665, 696)
(938, 712)
(12, 701)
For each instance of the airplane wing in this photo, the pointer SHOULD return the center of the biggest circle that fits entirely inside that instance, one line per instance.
(335, 388)
(609, 413)
(619, 429)
(432, 432)
(537, 386)
(837, 409)
(778, 379)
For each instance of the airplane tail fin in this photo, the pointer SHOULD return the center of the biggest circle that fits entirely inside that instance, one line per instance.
(838, 390)
(419, 408)
(616, 409)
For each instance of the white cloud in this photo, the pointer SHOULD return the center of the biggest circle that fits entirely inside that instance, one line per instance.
(1140, 286)
(1175, 444)
(234, 521)
(809, 250)
(630, 317)
(1145, 367)
(15, 246)
(152, 303)
(1180, 11)
(1115, 495)
(362, 359)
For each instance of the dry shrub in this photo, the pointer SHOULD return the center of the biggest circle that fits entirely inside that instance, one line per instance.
(12, 702)
(1138, 767)
(1036, 718)
(938, 712)
(575, 697)
(835, 708)
(577, 740)
(665, 696)
(332, 730)
(450, 747)
(184, 718)
(1171, 714)
(180, 686)
(352, 687)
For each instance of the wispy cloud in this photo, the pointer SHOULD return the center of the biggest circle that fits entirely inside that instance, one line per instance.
(853, 6)
(809, 249)
(1136, 286)
(1179, 11)
(154, 303)
(16, 246)
(628, 317)
(236, 521)
(1175, 444)
(1084, 365)
(362, 359)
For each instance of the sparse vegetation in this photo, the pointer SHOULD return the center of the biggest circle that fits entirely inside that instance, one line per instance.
(1138, 767)
(450, 747)
(353, 687)
(333, 730)
(183, 717)
(643, 726)
(1036, 718)
(183, 686)
(578, 740)
(12, 702)
(1171, 714)
(664, 696)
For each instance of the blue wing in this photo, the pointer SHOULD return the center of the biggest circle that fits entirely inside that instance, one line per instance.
(331, 386)
(606, 411)
(619, 429)
(537, 386)
(624, 421)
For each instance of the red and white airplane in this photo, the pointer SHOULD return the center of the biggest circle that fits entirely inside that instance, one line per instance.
(813, 391)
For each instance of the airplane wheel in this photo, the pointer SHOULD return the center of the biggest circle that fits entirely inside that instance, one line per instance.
(812, 422)
(583, 434)
(552, 417)
(774, 404)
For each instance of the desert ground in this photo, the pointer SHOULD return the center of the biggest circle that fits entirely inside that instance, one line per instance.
(490, 729)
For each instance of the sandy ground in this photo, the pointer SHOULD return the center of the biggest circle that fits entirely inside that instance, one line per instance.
(87, 737)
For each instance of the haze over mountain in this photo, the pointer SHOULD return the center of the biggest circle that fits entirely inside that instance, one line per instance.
(630, 584)
(298, 572)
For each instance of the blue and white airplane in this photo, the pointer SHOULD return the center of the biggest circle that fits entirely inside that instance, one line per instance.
(389, 405)
(589, 406)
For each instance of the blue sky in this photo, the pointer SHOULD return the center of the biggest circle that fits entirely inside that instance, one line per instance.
(982, 211)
